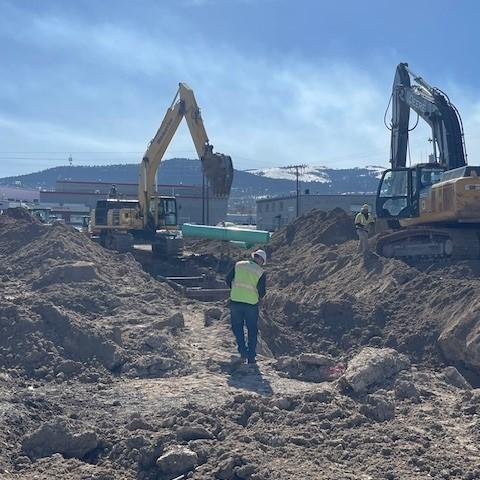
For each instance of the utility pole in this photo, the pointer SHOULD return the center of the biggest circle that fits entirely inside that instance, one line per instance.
(298, 171)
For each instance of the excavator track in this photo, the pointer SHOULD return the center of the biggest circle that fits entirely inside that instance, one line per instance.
(429, 243)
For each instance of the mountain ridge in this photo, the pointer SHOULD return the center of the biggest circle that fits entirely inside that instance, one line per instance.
(260, 182)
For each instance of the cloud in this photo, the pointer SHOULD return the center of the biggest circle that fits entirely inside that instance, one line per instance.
(108, 84)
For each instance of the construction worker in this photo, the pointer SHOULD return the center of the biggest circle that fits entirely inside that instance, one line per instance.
(363, 220)
(113, 192)
(247, 282)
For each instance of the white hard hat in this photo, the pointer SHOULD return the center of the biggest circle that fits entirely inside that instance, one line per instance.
(261, 254)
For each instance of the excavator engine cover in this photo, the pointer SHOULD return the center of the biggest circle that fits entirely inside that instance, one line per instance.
(218, 169)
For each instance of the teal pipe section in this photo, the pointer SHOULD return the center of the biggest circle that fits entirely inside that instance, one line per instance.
(226, 233)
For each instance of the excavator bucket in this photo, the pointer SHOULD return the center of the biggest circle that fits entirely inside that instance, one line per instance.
(218, 169)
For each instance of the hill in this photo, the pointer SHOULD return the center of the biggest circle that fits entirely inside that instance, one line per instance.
(273, 181)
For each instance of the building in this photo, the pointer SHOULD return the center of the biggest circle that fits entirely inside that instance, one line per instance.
(192, 205)
(273, 213)
(10, 193)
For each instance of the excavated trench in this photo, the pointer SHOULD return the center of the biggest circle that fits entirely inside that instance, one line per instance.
(156, 379)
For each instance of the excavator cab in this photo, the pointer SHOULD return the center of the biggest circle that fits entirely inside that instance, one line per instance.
(163, 212)
(167, 212)
(401, 190)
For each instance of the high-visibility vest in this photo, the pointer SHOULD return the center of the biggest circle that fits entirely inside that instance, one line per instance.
(364, 222)
(244, 285)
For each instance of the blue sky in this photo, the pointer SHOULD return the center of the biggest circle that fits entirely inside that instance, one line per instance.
(278, 81)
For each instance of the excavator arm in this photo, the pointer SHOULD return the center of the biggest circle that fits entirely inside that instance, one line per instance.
(217, 168)
(434, 107)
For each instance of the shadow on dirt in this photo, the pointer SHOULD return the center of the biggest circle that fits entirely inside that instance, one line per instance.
(247, 377)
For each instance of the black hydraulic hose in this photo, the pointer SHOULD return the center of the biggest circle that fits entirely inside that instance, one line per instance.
(391, 126)
(416, 123)
(386, 111)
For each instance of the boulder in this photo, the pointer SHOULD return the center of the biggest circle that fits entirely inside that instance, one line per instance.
(372, 366)
(453, 377)
(316, 359)
(460, 338)
(59, 437)
(177, 461)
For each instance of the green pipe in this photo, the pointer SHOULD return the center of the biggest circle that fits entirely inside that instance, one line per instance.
(226, 233)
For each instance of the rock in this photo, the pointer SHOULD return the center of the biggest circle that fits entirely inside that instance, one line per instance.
(139, 424)
(372, 366)
(69, 367)
(152, 366)
(57, 437)
(225, 470)
(193, 432)
(177, 461)
(316, 359)
(379, 407)
(246, 471)
(89, 377)
(22, 462)
(175, 321)
(405, 389)
(155, 341)
(73, 272)
(453, 377)
(286, 364)
(460, 339)
(324, 395)
(211, 315)
(282, 403)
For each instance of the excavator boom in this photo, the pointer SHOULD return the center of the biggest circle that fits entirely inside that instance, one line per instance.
(217, 168)
(434, 107)
(437, 203)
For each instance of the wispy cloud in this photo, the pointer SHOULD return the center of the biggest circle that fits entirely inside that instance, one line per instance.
(107, 87)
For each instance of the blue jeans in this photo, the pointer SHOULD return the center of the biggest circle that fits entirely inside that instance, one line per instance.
(242, 314)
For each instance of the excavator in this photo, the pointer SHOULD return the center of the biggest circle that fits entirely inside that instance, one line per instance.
(119, 224)
(433, 208)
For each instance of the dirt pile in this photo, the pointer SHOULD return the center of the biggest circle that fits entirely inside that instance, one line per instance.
(72, 309)
(325, 298)
(107, 374)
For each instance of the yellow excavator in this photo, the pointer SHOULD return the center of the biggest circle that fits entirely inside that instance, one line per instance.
(119, 224)
(433, 208)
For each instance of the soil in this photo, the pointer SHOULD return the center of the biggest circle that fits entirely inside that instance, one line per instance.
(107, 373)
(324, 297)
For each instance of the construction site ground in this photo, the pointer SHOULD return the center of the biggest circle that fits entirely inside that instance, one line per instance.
(109, 373)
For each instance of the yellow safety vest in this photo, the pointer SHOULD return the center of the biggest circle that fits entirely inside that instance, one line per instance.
(244, 285)
(364, 222)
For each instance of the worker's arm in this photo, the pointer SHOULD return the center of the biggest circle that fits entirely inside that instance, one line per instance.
(230, 276)
(358, 222)
(262, 286)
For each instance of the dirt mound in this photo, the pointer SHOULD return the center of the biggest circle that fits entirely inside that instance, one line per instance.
(313, 228)
(325, 298)
(73, 309)
(17, 227)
